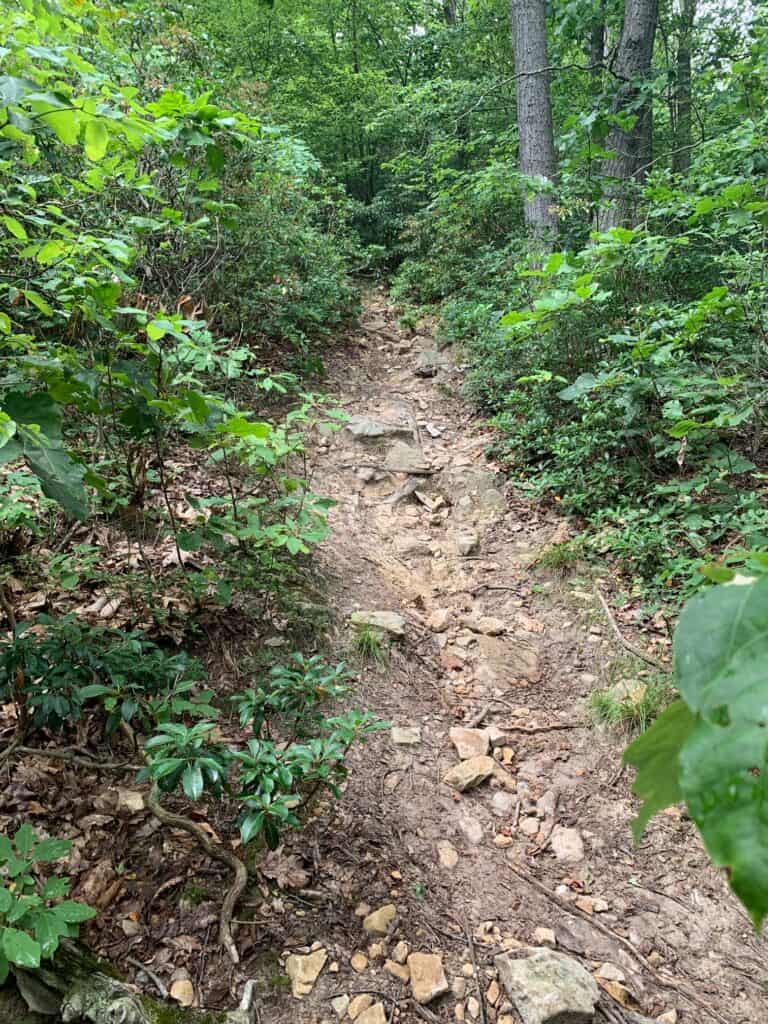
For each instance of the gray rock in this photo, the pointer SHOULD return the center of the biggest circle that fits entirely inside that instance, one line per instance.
(503, 661)
(364, 428)
(469, 742)
(429, 362)
(406, 735)
(466, 542)
(471, 829)
(388, 622)
(402, 458)
(503, 804)
(549, 988)
(567, 844)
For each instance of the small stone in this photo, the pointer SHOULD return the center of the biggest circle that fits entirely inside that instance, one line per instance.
(399, 971)
(182, 992)
(469, 742)
(496, 736)
(388, 622)
(428, 979)
(505, 1018)
(375, 1014)
(130, 927)
(502, 804)
(340, 1006)
(467, 970)
(400, 952)
(544, 937)
(670, 1017)
(378, 921)
(362, 910)
(473, 1008)
(469, 774)
(439, 620)
(529, 826)
(507, 755)
(585, 904)
(493, 993)
(466, 542)
(567, 844)
(502, 841)
(600, 906)
(471, 829)
(359, 1005)
(406, 735)
(459, 1012)
(375, 951)
(490, 626)
(610, 972)
(359, 962)
(131, 801)
(549, 988)
(459, 987)
(402, 458)
(447, 854)
(304, 971)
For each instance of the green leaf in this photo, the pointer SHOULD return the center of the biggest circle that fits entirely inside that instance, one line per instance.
(20, 948)
(4, 968)
(15, 227)
(50, 850)
(656, 755)
(24, 840)
(96, 139)
(49, 928)
(192, 781)
(61, 479)
(7, 428)
(73, 912)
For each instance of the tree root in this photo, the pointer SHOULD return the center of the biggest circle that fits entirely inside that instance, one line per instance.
(220, 853)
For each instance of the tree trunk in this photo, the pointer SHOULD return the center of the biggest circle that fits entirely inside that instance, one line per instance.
(534, 112)
(449, 12)
(596, 50)
(681, 159)
(632, 67)
(75, 987)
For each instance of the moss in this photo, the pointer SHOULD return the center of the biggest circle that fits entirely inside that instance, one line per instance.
(160, 1013)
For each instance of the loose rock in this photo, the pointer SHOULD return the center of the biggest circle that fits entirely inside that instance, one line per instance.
(447, 854)
(378, 921)
(439, 620)
(400, 952)
(428, 979)
(375, 1014)
(549, 988)
(471, 829)
(363, 428)
(304, 971)
(467, 542)
(468, 774)
(567, 844)
(469, 742)
(399, 971)
(406, 735)
(359, 1005)
(340, 1006)
(388, 622)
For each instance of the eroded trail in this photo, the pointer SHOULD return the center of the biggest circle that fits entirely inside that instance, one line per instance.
(515, 833)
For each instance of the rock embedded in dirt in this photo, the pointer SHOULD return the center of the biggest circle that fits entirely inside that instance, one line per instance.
(378, 921)
(549, 988)
(529, 826)
(403, 458)
(502, 804)
(439, 620)
(567, 844)
(304, 971)
(399, 971)
(364, 428)
(428, 979)
(469, 742)
(473, 1007)
(610, 972)
(359, 1005)
(388, 622)
(506, 661)
(182, 991)
(496, 736)
(340, 1006)
(447, 854)
(468, 774)
(544, 937)
(406, 735)
(670, 1017)
(429, 362)
(488, 625)
(359, 962)
(471, 829)
(375, 1014)
(467, 542)
(400, 952)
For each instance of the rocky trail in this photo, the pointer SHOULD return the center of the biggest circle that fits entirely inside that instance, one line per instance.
(492, 818)
(480, 865)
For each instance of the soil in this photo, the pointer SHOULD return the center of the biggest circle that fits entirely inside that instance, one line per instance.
(545, 843)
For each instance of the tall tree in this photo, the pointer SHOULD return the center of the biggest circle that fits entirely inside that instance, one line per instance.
(681, 160)
(534, 111)
(629, 145)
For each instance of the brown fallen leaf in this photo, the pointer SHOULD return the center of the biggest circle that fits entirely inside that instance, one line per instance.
(286, 869)
(618, 992)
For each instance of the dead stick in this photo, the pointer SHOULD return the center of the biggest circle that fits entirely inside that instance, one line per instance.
(637, 651)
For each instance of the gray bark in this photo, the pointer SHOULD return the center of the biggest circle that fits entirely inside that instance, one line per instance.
(449, 12)
(630, 148)
(681, 160)
(534, 111)
(596, 49)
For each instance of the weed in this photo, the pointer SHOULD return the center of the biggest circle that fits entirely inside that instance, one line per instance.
(371, 646)
(631, 705)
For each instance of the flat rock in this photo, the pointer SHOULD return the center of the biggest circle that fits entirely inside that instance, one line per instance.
(340, 1006)
(470, 773)
(388, 622)
(447, 854)
(466, 541)
(439, 620)
(304, 971)
(469, 742)
(378, 921)
(359, 1005)
(471, 829)
(364, 428)
(503, 804)
(567, 844)
(506, 661)
(549, 988)
(402, 458)
(428, 980)
(429, 362)
(406, 735)
(375, 1014)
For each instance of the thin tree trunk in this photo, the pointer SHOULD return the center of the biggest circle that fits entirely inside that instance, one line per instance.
(534, 112)
(596, 50)
(449, 12)
(632, 67)
(681, 160)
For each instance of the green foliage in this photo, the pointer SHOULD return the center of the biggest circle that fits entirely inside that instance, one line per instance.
(370, 644)
(709, 748)
(35, 913)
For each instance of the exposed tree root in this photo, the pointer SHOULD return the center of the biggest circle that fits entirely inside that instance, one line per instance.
(220, 853)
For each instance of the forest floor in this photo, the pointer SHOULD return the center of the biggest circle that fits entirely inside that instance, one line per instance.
(541, 853)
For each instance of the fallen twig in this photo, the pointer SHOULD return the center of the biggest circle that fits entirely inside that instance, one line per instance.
(220, 853)
(476, 975)
(150, 974)
(637, 651)
(475, 720)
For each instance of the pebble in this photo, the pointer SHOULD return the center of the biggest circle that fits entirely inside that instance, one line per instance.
(502, 841)
(529, 826)
(471, 829)
(439, 620)
(399, 971)
(359, 1005)
(459, 987)
(375, 1014)
(544, 937)
(406, 735)
(502, 804)
(473, 1008)
(493, 992)
(359, 962)
(400, 952)
(378, 921)
(304, 971)
(610, 972)
(447, 854)
(670, 1017)
(469, 742)
(340, 1006)
(567, 844)
(468, 774)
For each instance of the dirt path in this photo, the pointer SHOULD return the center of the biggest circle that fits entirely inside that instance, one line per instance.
(541, 852)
